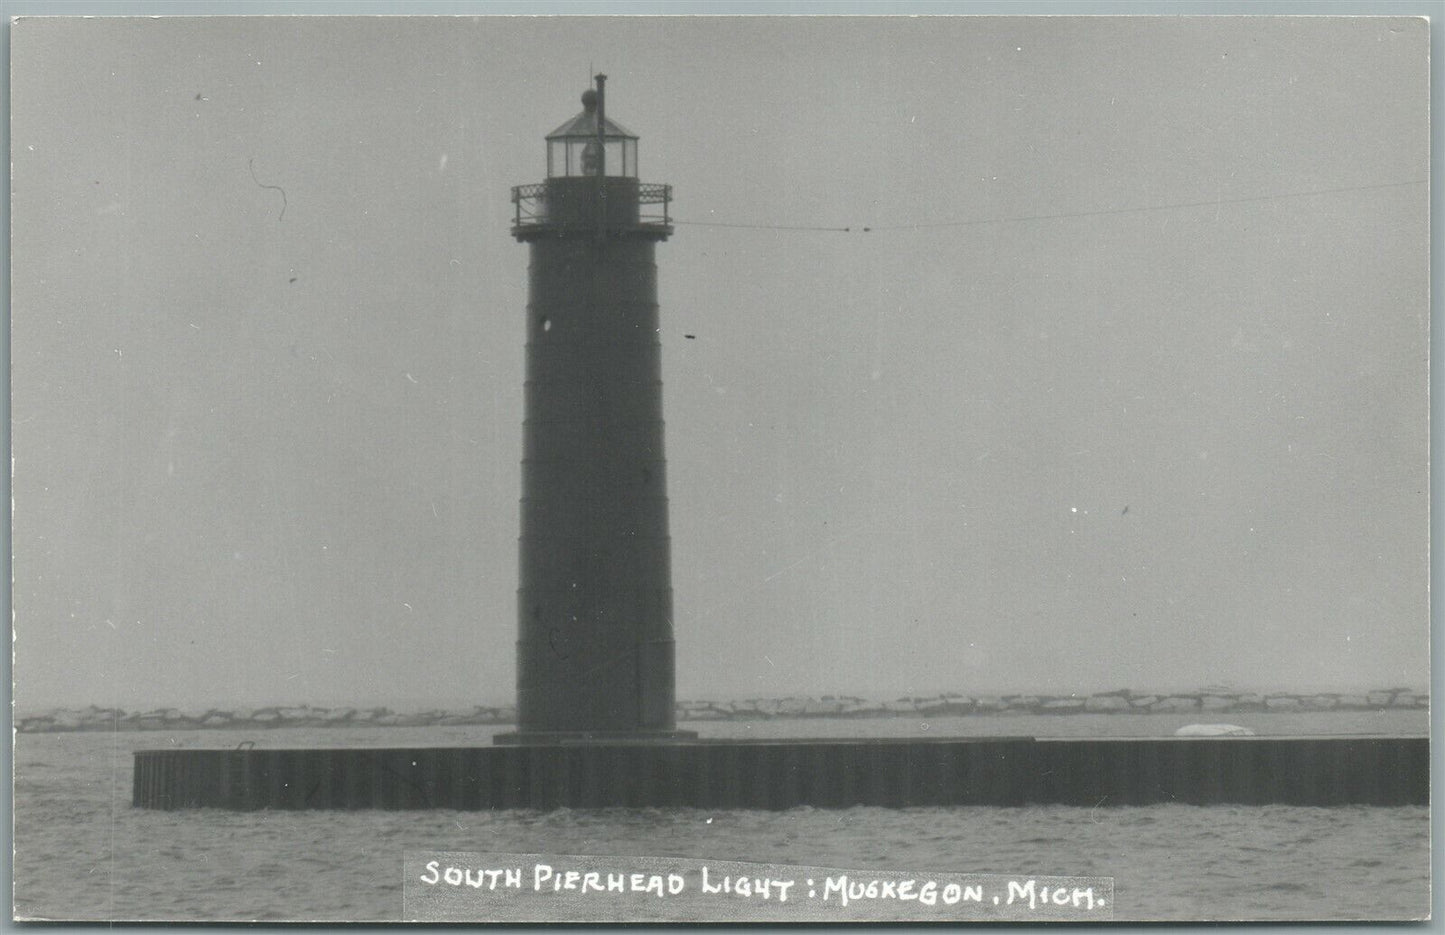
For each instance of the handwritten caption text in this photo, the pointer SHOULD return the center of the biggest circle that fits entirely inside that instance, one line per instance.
(557, 888)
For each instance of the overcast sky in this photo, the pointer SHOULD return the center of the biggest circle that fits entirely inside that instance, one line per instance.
(1125, 388)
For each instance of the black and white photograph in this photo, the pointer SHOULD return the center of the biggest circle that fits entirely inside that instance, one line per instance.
(827, 469)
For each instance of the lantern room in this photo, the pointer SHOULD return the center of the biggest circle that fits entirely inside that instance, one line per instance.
(592, 187)
(578, 147)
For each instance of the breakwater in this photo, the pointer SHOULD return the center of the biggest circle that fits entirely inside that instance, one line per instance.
(1212, 704)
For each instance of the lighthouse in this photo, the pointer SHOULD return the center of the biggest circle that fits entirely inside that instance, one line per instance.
(595, 696)
(594, 605)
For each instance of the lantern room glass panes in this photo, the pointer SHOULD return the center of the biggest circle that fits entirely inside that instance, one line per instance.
(577, 155)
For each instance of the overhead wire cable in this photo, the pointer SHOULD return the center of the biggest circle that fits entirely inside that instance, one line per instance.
(763, 227)
(1059, 216)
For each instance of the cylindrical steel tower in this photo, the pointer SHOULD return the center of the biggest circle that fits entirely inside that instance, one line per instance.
(594, 609)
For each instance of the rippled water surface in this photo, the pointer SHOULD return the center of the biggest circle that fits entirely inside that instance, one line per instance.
(83, 853)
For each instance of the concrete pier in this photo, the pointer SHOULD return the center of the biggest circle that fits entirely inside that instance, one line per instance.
(733, 774)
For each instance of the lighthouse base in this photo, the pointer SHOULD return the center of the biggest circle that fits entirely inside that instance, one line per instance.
(734, 774)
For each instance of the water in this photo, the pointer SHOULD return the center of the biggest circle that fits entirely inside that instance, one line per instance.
(83, 853)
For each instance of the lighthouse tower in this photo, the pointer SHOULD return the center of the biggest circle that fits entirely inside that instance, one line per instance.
(594, 609)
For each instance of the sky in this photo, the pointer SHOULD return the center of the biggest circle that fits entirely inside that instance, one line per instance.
(1124, 386)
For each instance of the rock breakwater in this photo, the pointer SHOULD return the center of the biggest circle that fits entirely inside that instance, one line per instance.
(1121, 702)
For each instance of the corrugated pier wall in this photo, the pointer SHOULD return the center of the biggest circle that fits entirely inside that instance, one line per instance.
(775, 775)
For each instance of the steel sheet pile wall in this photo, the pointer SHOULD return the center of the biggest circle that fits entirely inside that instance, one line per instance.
(775, 775)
